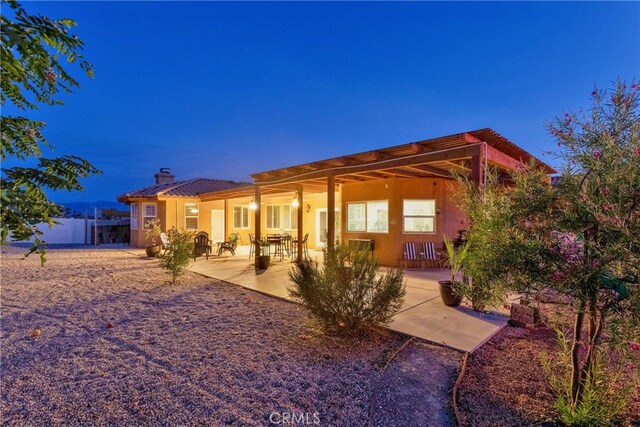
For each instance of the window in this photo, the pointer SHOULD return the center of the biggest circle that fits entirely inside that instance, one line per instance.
(419, 216)
(294, 218)
(372, 217)
(191, 216)
(356, 217)
(134, 216)
(286, 217)
(148, 213)
(378, 216)
(273, 216)
(240, 217)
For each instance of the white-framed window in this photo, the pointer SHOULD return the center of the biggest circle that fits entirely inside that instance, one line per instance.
(419, 216)
(191, 216)
(134, 216)
(294, 218)
(286, 217)
(273, 217)
(371, 216)
(357, 216)
(240, 217)
(149, 212)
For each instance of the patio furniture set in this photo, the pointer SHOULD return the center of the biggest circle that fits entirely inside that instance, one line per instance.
(279, 245)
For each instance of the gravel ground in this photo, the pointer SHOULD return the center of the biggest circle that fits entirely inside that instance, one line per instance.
(121, 346)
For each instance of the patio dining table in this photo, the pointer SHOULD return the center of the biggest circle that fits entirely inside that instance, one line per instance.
(281, 244)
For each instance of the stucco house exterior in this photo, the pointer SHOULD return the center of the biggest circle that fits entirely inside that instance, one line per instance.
(392, 195)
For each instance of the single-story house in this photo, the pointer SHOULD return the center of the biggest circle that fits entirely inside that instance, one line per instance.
(388, 195)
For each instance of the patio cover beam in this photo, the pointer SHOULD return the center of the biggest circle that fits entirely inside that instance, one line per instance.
(456, 153)
(300, 223)
(257, 223)
(331, 211)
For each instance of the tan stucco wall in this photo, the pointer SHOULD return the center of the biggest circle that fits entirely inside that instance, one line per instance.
(171, 213)
(388, 246)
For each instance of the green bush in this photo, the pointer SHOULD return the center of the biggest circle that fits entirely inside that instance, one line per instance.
(178, 255)
(348, 296)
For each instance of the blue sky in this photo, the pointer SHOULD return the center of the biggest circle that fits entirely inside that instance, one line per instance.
(223, 90)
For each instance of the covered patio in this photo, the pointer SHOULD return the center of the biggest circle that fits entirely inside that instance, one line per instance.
(423, 314)
(408, 188)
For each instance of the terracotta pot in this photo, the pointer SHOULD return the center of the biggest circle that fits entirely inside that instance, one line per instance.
(262, 262)
(153, 250)
(448, 294)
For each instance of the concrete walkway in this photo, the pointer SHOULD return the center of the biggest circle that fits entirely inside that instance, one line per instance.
(422, 315)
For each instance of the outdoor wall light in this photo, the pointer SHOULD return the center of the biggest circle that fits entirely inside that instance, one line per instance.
(295, 202)
(253, 205)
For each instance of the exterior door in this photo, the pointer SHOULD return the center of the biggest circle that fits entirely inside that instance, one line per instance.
(321, 226)
(217, 225)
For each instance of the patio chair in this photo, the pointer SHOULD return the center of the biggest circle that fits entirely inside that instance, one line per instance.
(429, 254)
(202, 245)
(305, 247)
(252, 245)
(165, 241)
(230, 245)
(410, 254)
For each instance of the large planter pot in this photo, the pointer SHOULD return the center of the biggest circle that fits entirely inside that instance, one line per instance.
(153, 250)
(262, 262)
(448, 294)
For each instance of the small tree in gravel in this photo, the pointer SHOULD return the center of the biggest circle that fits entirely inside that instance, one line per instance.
(178, 255)
(348, 296)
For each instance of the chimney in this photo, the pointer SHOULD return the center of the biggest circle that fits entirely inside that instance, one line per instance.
(164, 176)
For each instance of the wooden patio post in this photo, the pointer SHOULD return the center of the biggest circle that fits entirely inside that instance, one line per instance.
(300, 226)
(477, 166)
(331, 211)
(257, 223)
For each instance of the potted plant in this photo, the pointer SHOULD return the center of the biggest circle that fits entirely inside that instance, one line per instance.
(152, 233)
(448, 292)
(263, 261)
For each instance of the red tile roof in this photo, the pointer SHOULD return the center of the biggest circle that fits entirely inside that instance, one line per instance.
(188, 188)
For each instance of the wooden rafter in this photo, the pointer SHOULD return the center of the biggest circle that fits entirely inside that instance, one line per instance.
(431, 170)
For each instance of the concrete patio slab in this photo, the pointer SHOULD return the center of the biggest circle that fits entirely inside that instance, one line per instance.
(459, 327)
(422, 315)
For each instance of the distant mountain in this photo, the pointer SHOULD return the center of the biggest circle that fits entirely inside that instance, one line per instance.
(79, 208)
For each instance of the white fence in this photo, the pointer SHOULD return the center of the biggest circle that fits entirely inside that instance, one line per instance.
(71, 231)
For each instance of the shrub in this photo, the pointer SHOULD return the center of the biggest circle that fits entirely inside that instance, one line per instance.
(178, 255)
(348, 296)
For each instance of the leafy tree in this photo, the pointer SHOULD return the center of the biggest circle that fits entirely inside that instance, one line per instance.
(34, 51)
(580, 241)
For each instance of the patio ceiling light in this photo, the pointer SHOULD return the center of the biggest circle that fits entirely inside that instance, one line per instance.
(253, 205)
(295, 202)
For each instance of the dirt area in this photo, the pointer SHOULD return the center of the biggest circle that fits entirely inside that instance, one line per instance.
(505, 383)
(415, 389)
(121, 346)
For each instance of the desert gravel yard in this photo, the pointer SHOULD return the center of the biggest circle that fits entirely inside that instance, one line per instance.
(119, 345)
